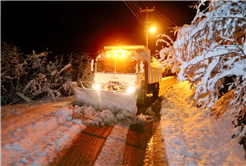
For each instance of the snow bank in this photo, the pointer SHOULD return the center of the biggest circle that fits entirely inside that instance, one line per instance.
(38, 140)
(89, 116)
(35, 137)
(193, 137)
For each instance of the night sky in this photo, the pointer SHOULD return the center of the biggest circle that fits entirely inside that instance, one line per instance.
(86, 26)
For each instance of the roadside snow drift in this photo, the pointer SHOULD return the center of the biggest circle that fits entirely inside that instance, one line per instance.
(194, 137)
(35, 134)
(36, 140)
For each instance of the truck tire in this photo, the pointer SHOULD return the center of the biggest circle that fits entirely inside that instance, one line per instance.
(141, 97)
(156, 90)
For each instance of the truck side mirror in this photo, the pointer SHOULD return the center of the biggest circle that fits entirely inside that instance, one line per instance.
(92, 64)
(141, 67)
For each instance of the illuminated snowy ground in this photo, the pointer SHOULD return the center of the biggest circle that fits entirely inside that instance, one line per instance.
(194, 137)
(35, 133)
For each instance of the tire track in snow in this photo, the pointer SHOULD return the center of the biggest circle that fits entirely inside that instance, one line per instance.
(113, 151)
(85, 148)
(136, 144)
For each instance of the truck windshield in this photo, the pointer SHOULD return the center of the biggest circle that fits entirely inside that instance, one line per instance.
(123, 65)
(126, 65)
(106, 65)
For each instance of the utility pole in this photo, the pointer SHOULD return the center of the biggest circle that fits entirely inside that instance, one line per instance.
(147, 22)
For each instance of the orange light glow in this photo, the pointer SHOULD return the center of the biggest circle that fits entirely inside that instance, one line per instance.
(115, 53)
(122, 51)
(152, 29)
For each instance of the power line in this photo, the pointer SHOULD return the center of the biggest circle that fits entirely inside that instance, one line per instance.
(166, 18)
(147, 11)
(161, 16)
(151, 3)
(134, 13)
(163, 21)
(143, 4)
(136, 4)
(136, 10)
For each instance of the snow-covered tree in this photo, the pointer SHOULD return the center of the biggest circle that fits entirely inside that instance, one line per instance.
(210, 50)
(30, 77)
(168, 57)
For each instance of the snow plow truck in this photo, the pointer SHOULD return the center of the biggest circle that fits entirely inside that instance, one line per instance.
(123, 76)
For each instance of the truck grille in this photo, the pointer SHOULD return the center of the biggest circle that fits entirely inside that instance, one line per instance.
(114, 82)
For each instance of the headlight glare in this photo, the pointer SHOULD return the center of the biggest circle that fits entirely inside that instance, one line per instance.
(96, 87)
(130, 90)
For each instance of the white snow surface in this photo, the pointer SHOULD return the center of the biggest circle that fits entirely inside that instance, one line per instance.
(35, 134)
(194, 137)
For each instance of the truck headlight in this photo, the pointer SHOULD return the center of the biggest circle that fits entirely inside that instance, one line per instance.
(130, 90)
(96, 87)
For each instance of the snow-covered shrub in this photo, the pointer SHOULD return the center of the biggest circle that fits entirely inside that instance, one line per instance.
(46, 78)
(33, 76)
(210, 50)
(81, 68)
(12, 72)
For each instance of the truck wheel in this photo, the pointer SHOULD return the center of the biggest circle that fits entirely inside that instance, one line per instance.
(141, 97)
(156, 90)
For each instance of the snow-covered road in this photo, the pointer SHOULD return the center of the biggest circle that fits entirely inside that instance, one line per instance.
(38, 133)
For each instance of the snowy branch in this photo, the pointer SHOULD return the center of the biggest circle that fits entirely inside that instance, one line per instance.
(210, 50)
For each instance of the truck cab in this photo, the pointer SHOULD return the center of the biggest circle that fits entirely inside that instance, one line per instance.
(126, 69)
